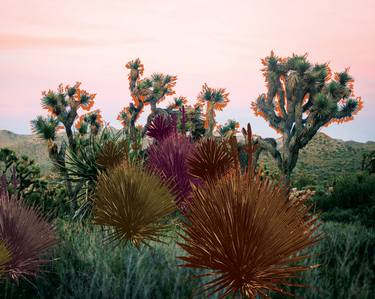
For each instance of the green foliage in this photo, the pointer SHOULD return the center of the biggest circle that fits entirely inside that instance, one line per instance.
(87, 269)
(347, 262)
(94, 155)
(23, 179)
(368, 162)
(351, 200)
(45, 127)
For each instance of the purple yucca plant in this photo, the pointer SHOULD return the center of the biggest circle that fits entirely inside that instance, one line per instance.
(169, 159)
(25, 236)
(161, 127)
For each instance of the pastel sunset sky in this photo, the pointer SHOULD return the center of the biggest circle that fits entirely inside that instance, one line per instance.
(46, 42)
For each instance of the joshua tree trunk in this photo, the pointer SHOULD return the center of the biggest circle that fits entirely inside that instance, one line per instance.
(211, 119)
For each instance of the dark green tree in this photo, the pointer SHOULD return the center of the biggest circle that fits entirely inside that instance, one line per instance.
(301, 98)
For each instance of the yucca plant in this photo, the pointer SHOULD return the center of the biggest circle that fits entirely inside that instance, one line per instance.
(133, 204)
(245, 232)
(25, 236)
(168, 159)
(99, 154)
(161, 127)
(210, 160)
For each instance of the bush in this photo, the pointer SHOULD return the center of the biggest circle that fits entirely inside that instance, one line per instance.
(352, 200)
(347, 264)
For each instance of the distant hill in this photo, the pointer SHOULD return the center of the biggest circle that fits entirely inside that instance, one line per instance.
(325, 158)
(320, 161)
(28, 145)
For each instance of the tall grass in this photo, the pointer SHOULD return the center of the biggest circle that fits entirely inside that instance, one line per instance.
(86, 268)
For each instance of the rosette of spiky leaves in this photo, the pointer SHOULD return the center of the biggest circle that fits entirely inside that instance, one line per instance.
(161, 85)
(177, 103)
(168, 159)
(90, 122)
(45, 127)
(25, 236)
(134, 204)
(210, 160)
(161, 127)
(248, 235)
(230, 128)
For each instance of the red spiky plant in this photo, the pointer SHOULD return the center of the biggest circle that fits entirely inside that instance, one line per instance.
(210, 160)
(168, 159)
(25, 236)
(161, 127)
(245, 232)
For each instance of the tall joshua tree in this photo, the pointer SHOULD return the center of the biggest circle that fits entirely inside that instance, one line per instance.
(63, 107)
(216, 99)
(147, 91)
(301, 98)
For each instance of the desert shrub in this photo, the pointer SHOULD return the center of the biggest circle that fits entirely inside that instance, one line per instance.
(347, 262)
(351, 200)
(21, 178)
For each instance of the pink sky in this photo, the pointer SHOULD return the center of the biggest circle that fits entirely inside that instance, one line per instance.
(44, 43)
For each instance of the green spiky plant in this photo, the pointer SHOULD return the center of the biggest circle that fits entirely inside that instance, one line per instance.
(301, 98)
(102, 153)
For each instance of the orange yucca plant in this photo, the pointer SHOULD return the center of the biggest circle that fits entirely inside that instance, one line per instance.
(210, 160)
(133, 204)
(243, 229)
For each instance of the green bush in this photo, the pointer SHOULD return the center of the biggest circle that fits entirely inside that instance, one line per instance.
(347, 264)
(352, 200)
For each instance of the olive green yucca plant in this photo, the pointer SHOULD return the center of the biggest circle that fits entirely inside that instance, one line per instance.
(245, 232)
(133, 204)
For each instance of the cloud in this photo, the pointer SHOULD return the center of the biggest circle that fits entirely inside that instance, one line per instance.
(15, 41)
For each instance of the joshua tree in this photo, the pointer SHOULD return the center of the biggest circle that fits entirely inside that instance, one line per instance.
(62, 107)
(301, 98)
(216, 99)
(230, 128)
(146, 91)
